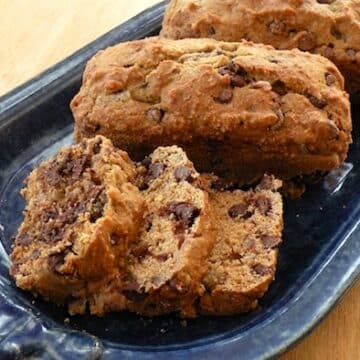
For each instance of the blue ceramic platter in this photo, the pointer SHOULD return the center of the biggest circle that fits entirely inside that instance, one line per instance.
(319, 260)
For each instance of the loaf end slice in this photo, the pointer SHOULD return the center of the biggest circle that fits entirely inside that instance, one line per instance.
(81, 214)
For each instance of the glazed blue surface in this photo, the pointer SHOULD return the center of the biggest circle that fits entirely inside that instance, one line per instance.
(319, 260)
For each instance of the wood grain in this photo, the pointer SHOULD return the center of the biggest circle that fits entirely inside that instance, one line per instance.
(38, 33)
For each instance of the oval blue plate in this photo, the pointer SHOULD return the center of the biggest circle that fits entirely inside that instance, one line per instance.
(319, 260)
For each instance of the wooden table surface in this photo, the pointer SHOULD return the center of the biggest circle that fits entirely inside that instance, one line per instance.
(35, 34)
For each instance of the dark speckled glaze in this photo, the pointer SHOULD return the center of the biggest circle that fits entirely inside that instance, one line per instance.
(319, 260)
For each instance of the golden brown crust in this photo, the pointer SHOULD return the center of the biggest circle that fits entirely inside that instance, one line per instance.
(82, 212)
(328, 27)
(271, 110)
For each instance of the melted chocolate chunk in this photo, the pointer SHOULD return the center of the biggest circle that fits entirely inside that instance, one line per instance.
(270, 241)
(140, 252)
(240, 210)
(55, 261)
(75, 167)
(184, 212)
(97, 207)
(325, 1)
(154, 171)
(330, 79)
(266, 183)
(183, 173)
(133, 292)
(162, 257)
(279, 87)
(319, 103)
(264, 204)
(262, 269)
(351, 53)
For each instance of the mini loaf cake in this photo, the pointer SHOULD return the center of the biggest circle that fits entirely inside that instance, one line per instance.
(243, 261)
(237, 109)
(327, 27)
(82, 212)
(169, 259)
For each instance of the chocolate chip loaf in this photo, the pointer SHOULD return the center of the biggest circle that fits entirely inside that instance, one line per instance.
(169, 259)
(82, 212)
(243, 261)
(327, 27)
(239, 109)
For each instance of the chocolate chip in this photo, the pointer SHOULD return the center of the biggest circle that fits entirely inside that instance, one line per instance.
(248, 244)
(330, 79)
(225, 96)
(98, 206)
(263, 204)
(162, 257)
(140, 252)
(319, 103)
(262, 269)
(270, 241)
(325, 1)
(279, 87)
(52, 234)
(23, 239)
(34, 255)
(155, 114)
(351, 53)
(329, 50)
(306, 42)
(49, 214)
(133, 292)
(97, 147)
(211, 30)
(267, 183)
(224, 185)
(236, 72)
(156, 280)
(176, 285)
(76, 167)
(237, 68)
(240, 210)
(183, 173)
(238, 81)
(146, 162)
(277, 27)
(55, 261)
(225, 70)
(154, 171)
(336, 33)
(184, 212)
